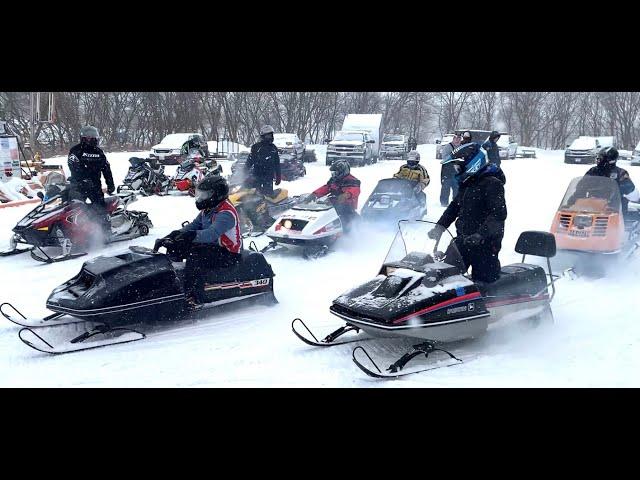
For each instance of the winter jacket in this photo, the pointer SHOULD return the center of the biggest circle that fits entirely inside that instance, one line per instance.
(480, 207)
(189, 145)
(622, 178)
(219, 226)
(493, 151)
(412, 143)
(264, 162)
(417, 173)
(349, 186)
(86, 164)
(447, 170)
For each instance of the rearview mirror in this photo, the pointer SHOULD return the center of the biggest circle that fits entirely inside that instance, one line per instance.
(40, 195)
(437, 142)
(371, 141)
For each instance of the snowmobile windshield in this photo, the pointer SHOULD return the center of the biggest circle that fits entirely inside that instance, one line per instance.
(137, 162)
(395, 186)
(412, 242)
(187, 165)
(591, 194)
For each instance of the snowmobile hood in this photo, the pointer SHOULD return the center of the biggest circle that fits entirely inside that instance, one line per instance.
(399, 294)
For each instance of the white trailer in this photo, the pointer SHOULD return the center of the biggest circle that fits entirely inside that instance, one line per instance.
(371, 123)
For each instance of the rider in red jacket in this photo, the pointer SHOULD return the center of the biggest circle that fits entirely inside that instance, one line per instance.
(344, 189)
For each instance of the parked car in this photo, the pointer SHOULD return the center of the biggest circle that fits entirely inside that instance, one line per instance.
(582, 150)
(394, 146)
(508, 147)
(353, 146)
(289, 143)
(635, 158)
(167, 152)
(441, 143)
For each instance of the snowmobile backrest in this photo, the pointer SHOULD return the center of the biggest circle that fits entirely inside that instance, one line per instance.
(541, 244)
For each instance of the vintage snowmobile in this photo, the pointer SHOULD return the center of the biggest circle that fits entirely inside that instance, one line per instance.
(67, 226)
(112, 294)
(313, 226)
(394, 199)
(422, 292)
(591, 228)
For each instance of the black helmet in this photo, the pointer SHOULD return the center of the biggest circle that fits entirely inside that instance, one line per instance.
(340, 169)
(494, 135)
(466, 137)
(211, 192)
(89, 135)
(607, 157)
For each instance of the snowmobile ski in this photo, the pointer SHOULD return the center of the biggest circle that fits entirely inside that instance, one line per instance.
(48, 321)
(99, 336)
(330, 340)
(59, 258)
(396, 369)
(15, 251)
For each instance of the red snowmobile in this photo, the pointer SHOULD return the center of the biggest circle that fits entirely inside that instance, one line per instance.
(69, 225)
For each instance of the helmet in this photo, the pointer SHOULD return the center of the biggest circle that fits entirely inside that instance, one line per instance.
(466, 137)
(89, 135)
(266, 129)
(413, 158)
(494, 135)
(607, 157)
(340, 169)
(195, 140)
(211, 192)
(468, 160)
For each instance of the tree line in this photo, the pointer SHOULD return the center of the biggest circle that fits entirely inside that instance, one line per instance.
(138, 120)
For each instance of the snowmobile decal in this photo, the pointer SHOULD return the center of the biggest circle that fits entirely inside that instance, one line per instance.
(263, 282)
(438, 306)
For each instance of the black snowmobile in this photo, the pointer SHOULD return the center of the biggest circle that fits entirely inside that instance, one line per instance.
(421, 292)
(394, 199)
(145, 176)
(140, 286)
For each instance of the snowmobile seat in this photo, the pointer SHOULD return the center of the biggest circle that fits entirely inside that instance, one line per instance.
(252, 266)
(515, 280)
(279, 194)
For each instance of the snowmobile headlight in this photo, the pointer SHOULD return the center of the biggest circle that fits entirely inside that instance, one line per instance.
(582, 221)
(287, 224)
(43, 229)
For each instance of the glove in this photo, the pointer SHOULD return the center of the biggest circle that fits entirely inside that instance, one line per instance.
(278, 180)
(185, 237)
(342, 198)
(435, 233)
(474, 240)
(173, 235)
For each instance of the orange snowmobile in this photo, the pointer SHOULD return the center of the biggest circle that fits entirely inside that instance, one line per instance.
(590, 223)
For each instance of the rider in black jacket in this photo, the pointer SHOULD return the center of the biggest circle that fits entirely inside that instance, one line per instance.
(479, 211)
(263, 163)
(87, 162)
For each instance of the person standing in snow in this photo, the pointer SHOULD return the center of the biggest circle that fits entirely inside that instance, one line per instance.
(263, 163)
(491, 147)
(448, 182)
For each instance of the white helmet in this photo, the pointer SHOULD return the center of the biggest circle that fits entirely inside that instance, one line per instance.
(413, 156)
(267, 129)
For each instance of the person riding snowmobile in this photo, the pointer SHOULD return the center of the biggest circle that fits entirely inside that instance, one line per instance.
(491, 147)
(479, 211)
(211, 240)
(192, 144)
(606, 167)
(412, 170)
(344, 189)
(87, 162)
(263, 163)
(448, 182)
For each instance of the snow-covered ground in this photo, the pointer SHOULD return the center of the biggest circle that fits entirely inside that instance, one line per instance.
(595, 340)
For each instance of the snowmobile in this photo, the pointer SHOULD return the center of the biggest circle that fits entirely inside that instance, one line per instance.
(313, 226)
(61, 223)
(291, 167)
(140, 286)
(257, 211)
(188, 174)
(422, 292)
(394, 199)
(590, 228)
(145, 176)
